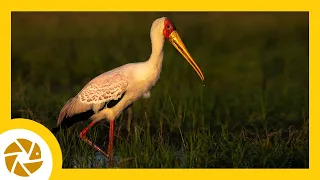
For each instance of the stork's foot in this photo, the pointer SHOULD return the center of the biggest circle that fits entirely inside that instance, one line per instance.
(109, 155)
(83, 134)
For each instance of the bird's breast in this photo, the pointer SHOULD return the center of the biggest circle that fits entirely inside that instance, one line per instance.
(145, 78)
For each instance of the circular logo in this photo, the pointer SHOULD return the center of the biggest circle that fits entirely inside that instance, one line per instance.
(24, 154)
(28, 151)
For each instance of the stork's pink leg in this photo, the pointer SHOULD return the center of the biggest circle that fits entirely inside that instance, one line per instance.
(84, 138)
(110, 145)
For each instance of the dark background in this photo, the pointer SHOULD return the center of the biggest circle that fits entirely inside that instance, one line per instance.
(252, 112)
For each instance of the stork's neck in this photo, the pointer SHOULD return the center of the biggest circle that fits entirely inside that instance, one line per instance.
(157, 43)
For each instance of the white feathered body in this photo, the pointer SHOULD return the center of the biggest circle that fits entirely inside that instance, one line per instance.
(130, 81)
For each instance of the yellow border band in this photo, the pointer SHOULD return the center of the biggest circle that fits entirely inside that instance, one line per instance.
(164, 5)
(125, 5)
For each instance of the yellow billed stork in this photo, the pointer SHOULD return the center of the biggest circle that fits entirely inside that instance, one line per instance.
(126, 84)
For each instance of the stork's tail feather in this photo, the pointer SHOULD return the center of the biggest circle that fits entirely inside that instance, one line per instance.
(55, 130)
(72, 112)
(65, 111)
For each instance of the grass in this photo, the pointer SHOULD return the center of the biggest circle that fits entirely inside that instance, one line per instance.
(252, 110)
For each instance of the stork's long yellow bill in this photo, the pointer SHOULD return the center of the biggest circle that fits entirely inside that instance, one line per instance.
(176, 41)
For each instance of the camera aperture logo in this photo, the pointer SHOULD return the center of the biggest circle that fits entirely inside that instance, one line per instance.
(24, 155)
(25, 148)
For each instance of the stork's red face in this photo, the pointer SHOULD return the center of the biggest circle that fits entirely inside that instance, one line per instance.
(171, 34)
(168, 28)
